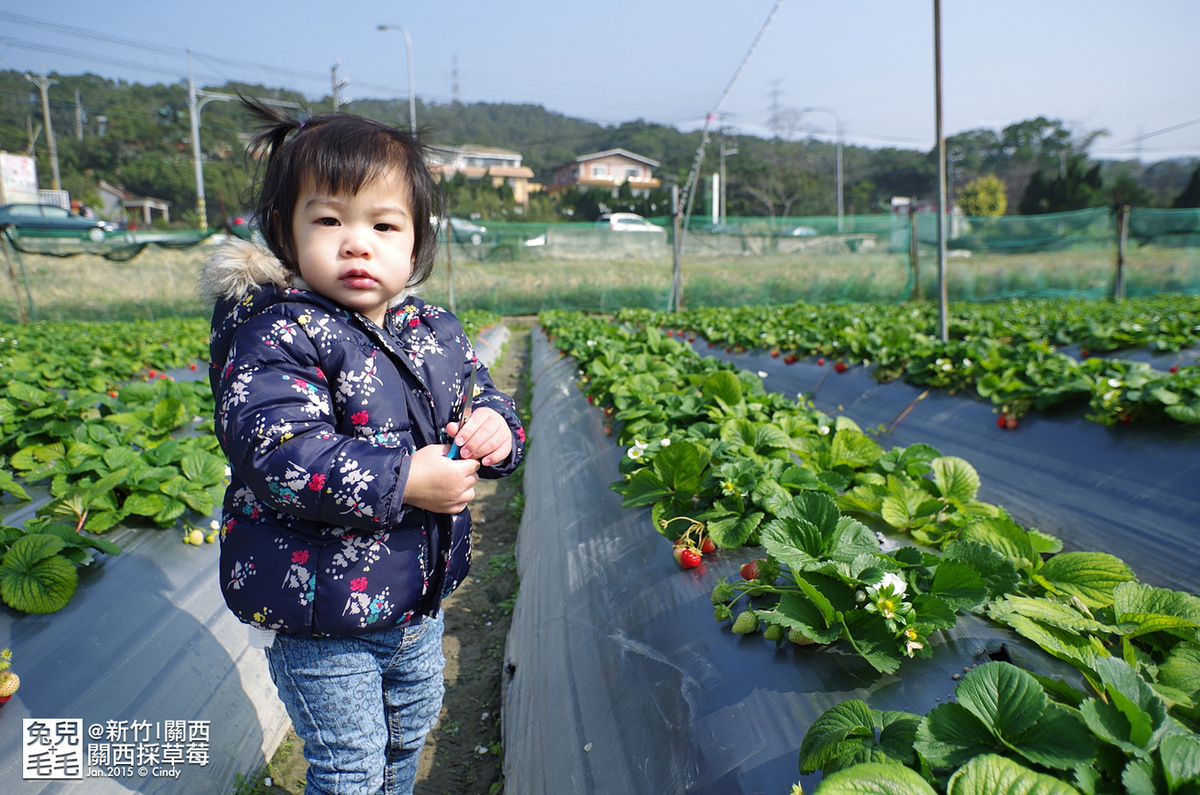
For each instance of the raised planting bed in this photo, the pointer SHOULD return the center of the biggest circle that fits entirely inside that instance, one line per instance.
(619, 679)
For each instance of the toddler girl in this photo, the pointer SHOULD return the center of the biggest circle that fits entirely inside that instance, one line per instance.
(345, 521)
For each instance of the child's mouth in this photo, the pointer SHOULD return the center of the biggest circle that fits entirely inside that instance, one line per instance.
(358, 280)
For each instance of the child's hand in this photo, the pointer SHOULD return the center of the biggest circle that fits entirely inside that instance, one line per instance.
(440, 484)
(485, 436)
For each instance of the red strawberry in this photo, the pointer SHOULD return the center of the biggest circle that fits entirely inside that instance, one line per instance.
(687, 557)
(707, 545)
(1084, 353)
(749, 571)
(152, 373)
(840, 367)
(1174, 368)
(192, 366)
(821, 362)
(774, 353)
(791, 358)
(1002, 421)
(1010, 422)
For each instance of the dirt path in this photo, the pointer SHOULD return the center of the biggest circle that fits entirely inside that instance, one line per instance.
(462, 755)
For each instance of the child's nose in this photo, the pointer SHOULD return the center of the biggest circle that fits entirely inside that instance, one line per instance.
(355, 244)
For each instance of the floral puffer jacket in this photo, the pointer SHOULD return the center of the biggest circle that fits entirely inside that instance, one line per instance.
(318, 411)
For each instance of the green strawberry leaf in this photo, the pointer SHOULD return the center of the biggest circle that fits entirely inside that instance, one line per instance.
(1091, 576)
(991, 774)
(34, 577)
(959, 584)
(950, 735)
(876, 778)
(957, 480)
(998, 573)
(1181, 759)
(1006, 537)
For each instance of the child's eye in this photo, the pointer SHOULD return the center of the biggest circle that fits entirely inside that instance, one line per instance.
(327, 221)
(381, 227)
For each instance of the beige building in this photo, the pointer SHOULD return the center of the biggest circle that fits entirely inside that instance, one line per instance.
(501, 166)
(608, 169)
(115, 202)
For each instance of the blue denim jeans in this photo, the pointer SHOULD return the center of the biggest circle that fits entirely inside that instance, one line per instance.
(362, 705)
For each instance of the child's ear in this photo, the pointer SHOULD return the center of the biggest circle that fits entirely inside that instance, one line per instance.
(285, 241)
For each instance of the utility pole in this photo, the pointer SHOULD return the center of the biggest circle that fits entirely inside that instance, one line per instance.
(338, 85)
(78, 116)
(728, 149)
(43, 83)
(943, 320)
(412, 96)
(197, 99)
(837, 122)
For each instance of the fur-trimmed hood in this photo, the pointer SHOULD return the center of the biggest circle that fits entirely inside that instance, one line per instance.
(239, 267)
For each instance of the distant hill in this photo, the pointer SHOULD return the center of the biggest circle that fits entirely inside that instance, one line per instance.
(139, 136)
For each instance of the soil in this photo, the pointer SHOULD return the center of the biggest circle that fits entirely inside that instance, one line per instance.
(462, 756)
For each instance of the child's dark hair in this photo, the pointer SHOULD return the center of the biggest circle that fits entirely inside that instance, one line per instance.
(340, 152)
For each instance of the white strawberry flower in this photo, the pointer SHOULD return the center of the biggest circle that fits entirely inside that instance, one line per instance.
(637, 450)
(894, 580)
(666, 442)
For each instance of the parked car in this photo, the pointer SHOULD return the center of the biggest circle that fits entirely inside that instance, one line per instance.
(799, 231)
(243, 226)
(627, 222)
(464, 231)
(51, 217)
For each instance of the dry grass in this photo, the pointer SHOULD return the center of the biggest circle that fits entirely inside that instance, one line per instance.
(161, 282)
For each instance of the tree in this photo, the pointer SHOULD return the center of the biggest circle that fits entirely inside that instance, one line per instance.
(1190, 197)
(1075, 189)
(984, 196)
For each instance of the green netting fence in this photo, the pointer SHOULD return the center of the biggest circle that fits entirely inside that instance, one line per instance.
(523, 268)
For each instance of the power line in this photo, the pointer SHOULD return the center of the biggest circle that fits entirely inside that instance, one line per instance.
(1163, 131)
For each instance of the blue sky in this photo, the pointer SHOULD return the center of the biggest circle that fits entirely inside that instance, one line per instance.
(1127, 68)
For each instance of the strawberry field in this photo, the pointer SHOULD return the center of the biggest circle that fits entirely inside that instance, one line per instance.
(970, 561)
(761, 546)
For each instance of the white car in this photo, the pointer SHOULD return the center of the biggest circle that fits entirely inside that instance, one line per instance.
(627, 222)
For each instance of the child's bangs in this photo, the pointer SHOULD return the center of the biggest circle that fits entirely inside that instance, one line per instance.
(342, 161)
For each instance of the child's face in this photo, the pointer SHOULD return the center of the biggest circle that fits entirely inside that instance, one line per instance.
(356, 249)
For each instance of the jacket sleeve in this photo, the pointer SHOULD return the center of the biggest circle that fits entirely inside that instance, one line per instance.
(275, 421)
(487, 394)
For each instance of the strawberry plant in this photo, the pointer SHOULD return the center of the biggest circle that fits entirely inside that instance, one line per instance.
(1004, 731)
(1006, 352)
(39, 564)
